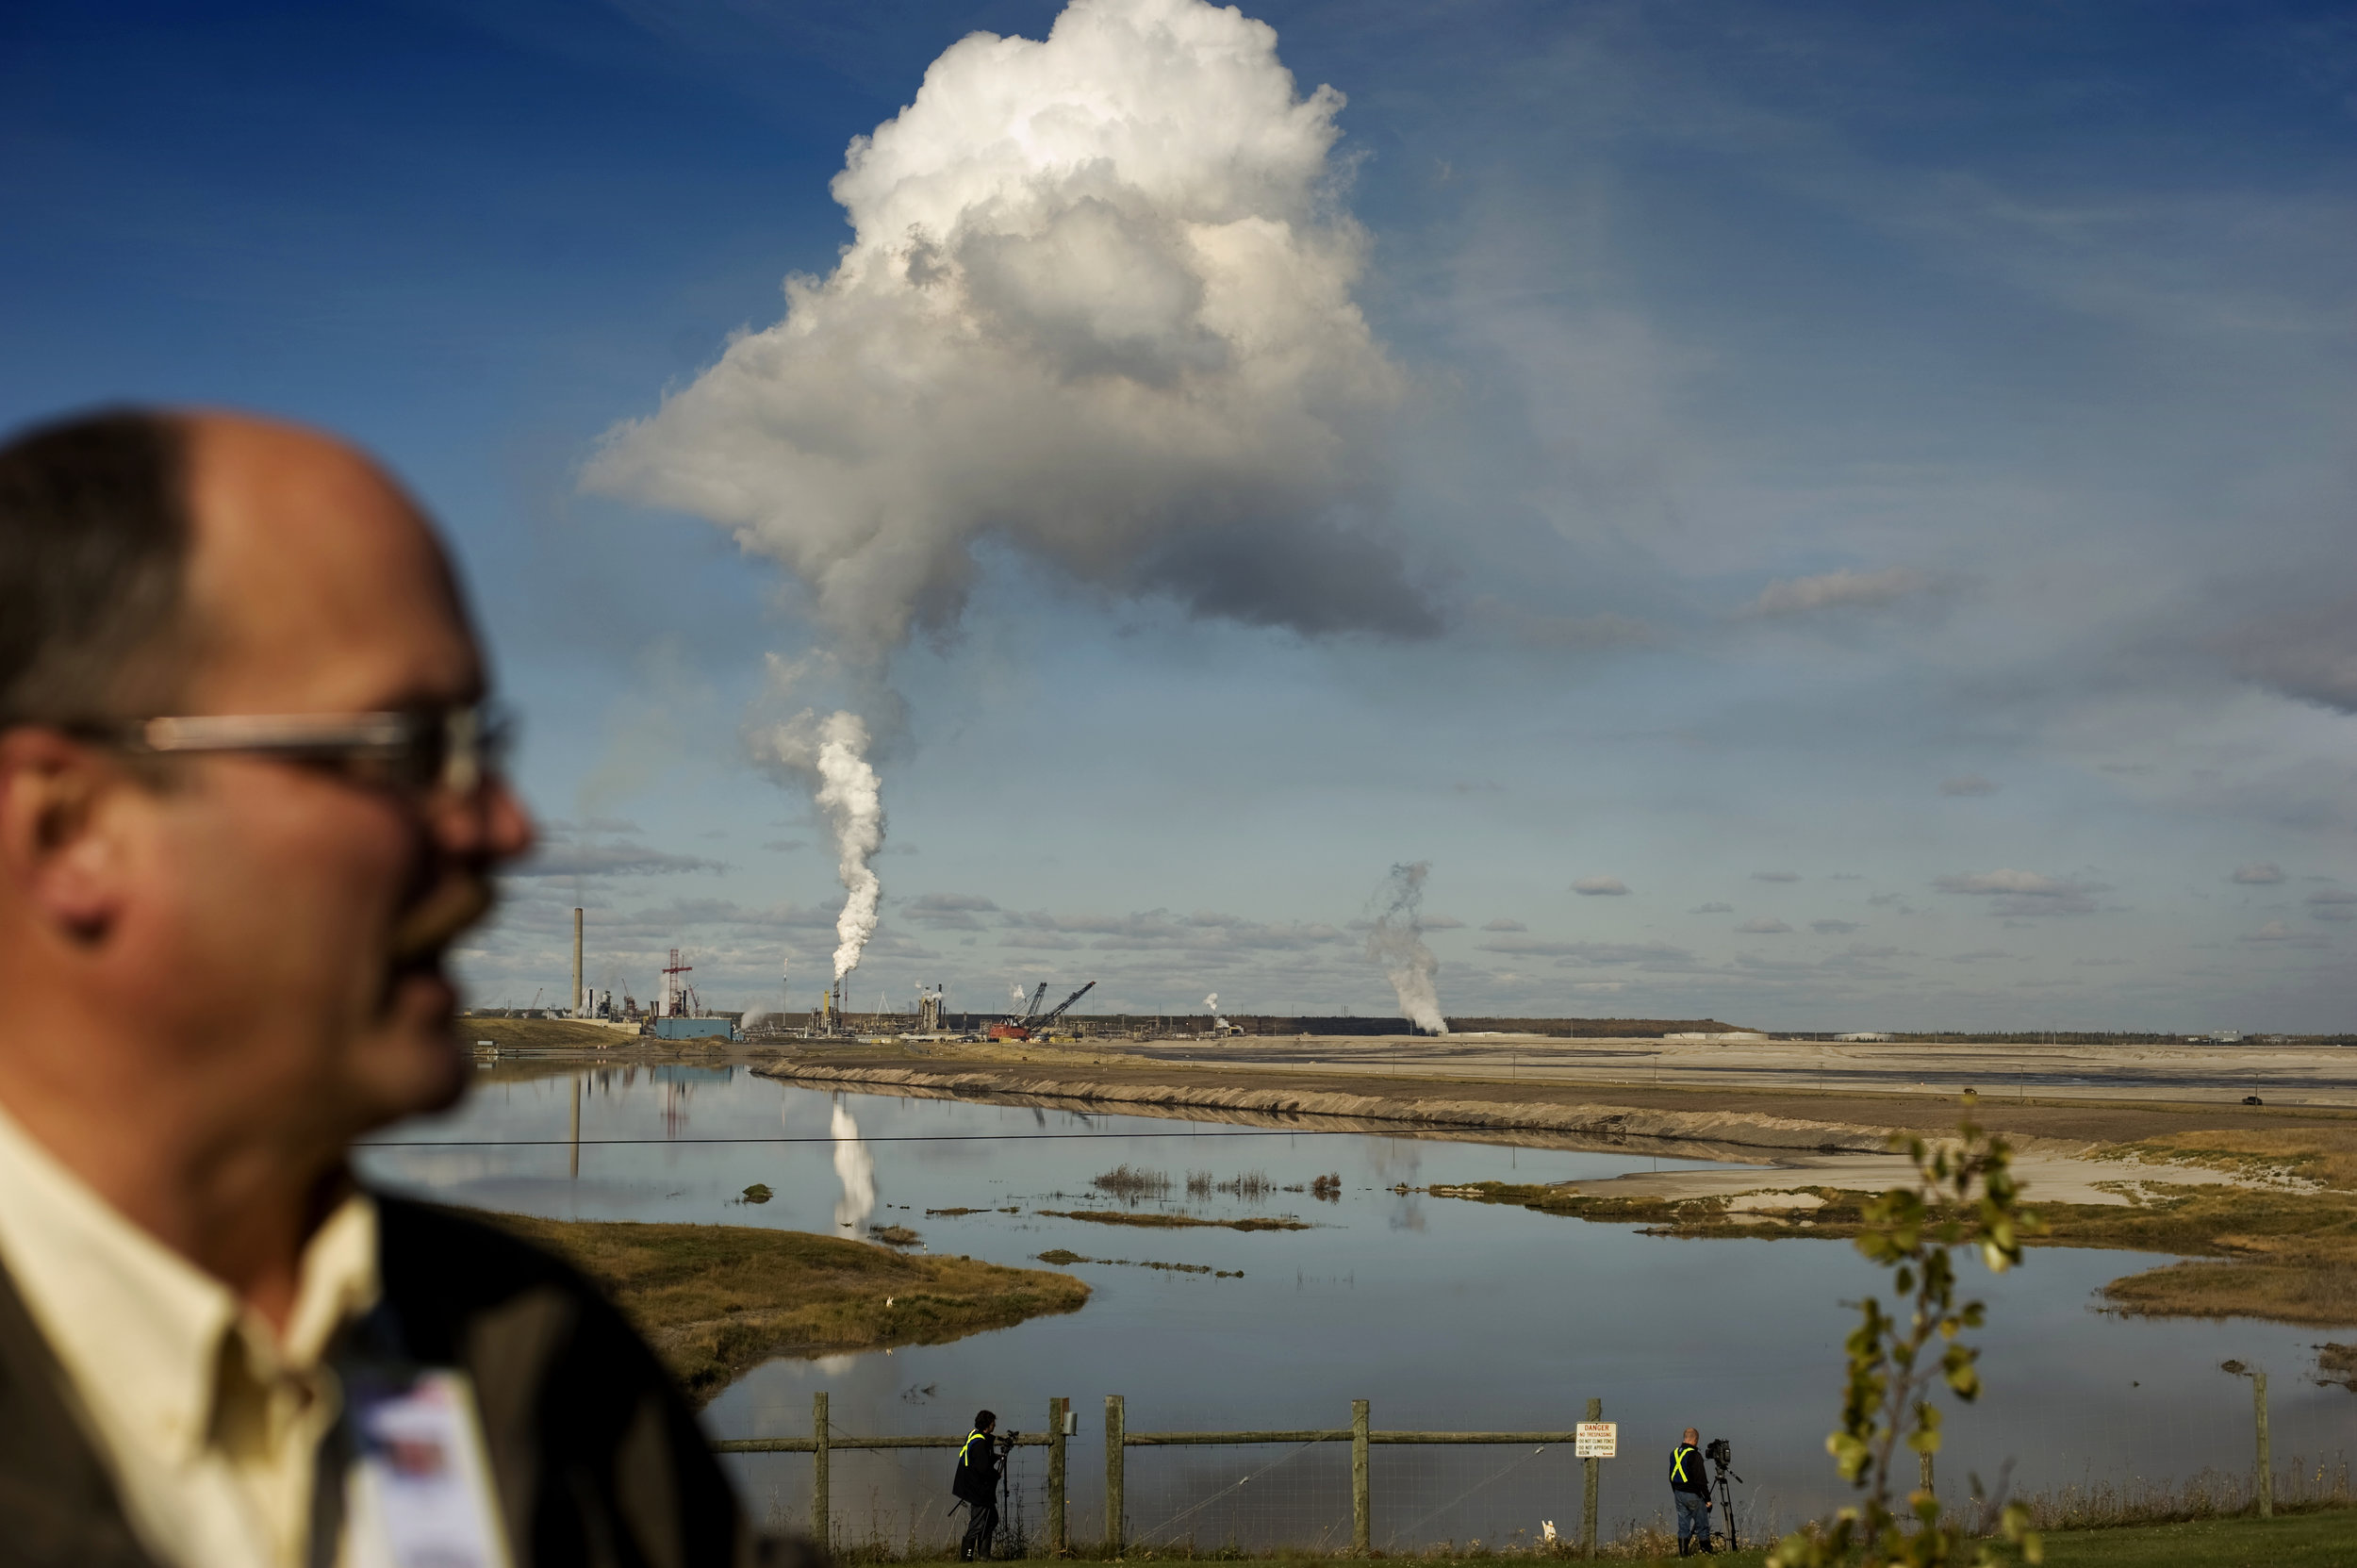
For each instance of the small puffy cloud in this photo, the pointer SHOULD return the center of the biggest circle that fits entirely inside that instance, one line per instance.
(559, 857)
(1441, 922)
(1713, 909)
(1833, 928)
(1763, 925)
(1838, 590)
(2331, 904)
(2274, 931)
(1967, 783)
(2258, 874)
(2025, 893)
(1600, 887)
(949, 911)
(1502, 923)
(2309, 656)
(1776, 876)
(1542, 629)
(1651, 955)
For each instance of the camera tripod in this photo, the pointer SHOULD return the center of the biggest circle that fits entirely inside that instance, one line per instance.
(1720, 1457)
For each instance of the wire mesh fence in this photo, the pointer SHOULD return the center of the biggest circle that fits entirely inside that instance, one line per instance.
(1319, 1492)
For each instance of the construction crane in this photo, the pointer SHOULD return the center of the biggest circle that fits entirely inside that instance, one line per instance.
(1020, 1029)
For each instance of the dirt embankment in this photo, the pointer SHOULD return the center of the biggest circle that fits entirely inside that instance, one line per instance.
(716, 1300)
(2261, 1202)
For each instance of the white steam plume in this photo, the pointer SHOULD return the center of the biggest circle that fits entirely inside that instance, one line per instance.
(832, 752)
(1098, 308)
(1397, 944)
(1212, 1004)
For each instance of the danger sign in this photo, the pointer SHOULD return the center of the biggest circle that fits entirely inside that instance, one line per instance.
(1597, 1440)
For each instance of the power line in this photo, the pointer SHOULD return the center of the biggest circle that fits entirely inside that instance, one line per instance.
(877, 1138)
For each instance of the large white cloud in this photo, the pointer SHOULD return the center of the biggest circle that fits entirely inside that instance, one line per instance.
(1098, 308)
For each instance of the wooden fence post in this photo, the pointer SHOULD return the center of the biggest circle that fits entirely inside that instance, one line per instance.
(2267, 1460)
(1056, 1542)
(1362, 1507)
(1588, 1491)
(818, 1470)
(1113, 1428)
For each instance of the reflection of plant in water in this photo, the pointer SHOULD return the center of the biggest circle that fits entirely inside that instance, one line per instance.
(757, 1193)
(895, 1235)
(1126, 1182)
(1328, 1188)
(1964, 1195)
(1251, 1184)
(1199, 1183)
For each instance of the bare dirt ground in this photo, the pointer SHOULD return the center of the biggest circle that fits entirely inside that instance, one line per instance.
(2152, 1151)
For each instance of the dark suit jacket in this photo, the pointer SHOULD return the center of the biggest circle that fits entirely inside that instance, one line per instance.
(596, 1459)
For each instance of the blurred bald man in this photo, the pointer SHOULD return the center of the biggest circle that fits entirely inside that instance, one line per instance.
(249, 795)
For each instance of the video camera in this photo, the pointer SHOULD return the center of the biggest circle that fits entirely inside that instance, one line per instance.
(1721, 1453)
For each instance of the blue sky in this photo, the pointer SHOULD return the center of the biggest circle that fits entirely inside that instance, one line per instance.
(1872, 483)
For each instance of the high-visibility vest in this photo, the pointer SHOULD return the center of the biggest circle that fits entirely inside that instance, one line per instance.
(1678, 1456)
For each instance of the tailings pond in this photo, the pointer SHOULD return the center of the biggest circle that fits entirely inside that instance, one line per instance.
(1447, 1314)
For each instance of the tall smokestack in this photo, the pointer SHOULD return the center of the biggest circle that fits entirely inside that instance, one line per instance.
(577, 1005)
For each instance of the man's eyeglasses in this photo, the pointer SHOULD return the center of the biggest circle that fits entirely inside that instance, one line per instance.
(452, 749)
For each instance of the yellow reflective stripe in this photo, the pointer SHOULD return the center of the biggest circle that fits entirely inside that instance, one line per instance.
(1677, 1463)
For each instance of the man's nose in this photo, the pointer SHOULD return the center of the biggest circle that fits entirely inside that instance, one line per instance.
(488, 824)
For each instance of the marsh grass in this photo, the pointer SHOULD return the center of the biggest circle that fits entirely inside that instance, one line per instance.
(1173, 1222)
(2301, 1485)
(1132, 1184)
(716, 1300)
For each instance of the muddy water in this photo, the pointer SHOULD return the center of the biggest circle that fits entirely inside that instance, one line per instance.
(1446, 1315)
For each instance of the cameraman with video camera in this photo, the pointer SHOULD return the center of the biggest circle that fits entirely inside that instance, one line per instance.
(976, 1485)
(1691, 1489)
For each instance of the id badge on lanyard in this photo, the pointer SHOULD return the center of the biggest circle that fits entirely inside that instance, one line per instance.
(419, 1491)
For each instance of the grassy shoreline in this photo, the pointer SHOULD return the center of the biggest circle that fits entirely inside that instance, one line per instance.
(716, 1300)
(2284, 1257)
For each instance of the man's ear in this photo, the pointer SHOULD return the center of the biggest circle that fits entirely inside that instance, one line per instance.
(60, 860)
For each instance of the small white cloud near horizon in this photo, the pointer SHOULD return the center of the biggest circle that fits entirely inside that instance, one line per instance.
(1600, 887)
(1763, 925)
(1967, 783)
(2025, 893)
(1838, 590)
(1776, 876)
(1502, 923)
(2258, 874)
(1713, 909)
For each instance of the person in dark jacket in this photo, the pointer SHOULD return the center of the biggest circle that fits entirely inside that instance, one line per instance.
(975, 1485)
(1691, 1490)
(249, 796)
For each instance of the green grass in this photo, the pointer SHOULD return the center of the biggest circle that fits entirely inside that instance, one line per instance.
(2326, 1539)
(2317, 1537)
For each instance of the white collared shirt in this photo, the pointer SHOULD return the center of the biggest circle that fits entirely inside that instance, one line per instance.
(209, 1421)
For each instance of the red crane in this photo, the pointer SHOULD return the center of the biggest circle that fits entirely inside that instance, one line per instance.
(679, 998)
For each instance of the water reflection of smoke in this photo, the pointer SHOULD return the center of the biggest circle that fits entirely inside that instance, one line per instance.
(855, 1167)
